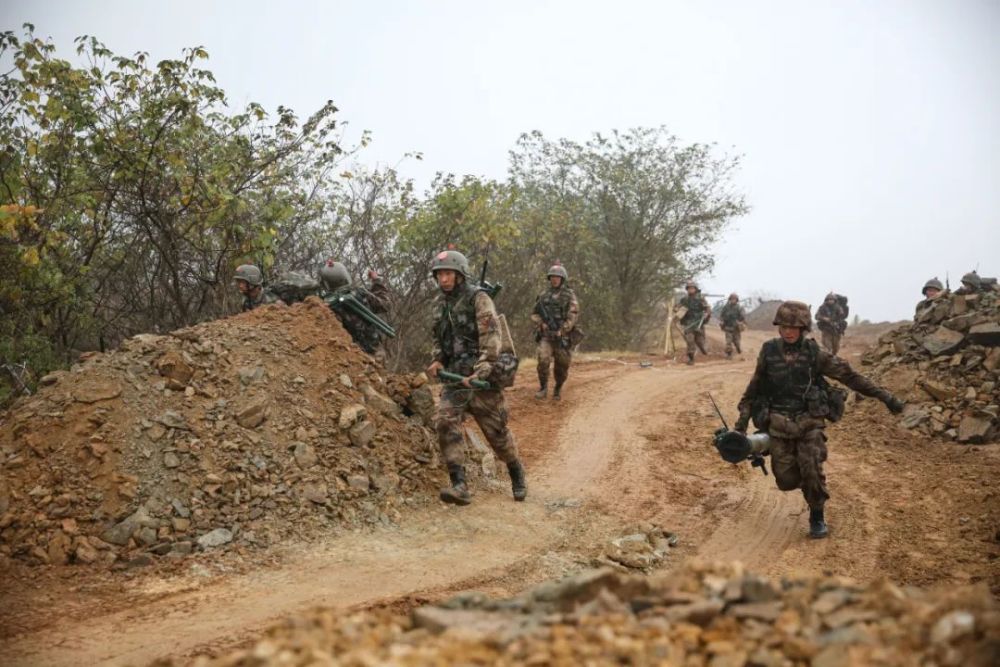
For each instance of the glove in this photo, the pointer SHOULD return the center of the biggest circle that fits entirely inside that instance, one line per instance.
(894, 404)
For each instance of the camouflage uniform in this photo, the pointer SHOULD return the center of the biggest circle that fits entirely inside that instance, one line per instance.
(830, 319)
(467, 342)
(933, 309)
(780, 383)
(367, 337)
(731, 317)
(563, 310)
(264, 297)
(693, 323)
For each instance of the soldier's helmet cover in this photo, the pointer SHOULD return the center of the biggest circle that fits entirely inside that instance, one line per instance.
(689, 284)
(451, 260)
(734, 297)
(933, 283)
(250, 273)
(831, 297)
(733, 446)
(793, 314)
(972, 278)
(559, 270)
(334, 275)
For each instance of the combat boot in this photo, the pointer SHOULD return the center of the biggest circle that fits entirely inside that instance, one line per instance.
(729, 354)
(557, 394)
(517, 482)
(817, 526)
(542, 393)
(690, 358)
(458, 492)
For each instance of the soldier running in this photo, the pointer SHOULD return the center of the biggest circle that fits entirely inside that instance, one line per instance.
(697, 314)
(555, 315)
(789, 398)
(467, 342)
(250, 282)
(832, 322)
(732, 320)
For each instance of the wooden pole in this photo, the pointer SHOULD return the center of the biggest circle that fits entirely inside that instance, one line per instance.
(668, 343)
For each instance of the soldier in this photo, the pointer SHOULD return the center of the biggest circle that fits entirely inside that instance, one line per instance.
(789, 398)
(697, 314)
(555, 314)
(971, 284)
(932, 290)
(337, 282)
(832, 322)
(467, 342)
(733, 318)
(250, 283)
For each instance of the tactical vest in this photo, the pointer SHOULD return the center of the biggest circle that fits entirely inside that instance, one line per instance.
(730, 315)
(696, 309)
(797, 387)
(457, 332)
(556, 303)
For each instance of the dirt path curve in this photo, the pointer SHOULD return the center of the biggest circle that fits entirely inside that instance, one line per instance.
(437, 550)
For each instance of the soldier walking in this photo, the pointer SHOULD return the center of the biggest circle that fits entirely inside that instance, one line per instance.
(250, 282)
(697, 314)
(467, 342)
(832, 322)
(788, 397)
(732, 320)
(555, 316)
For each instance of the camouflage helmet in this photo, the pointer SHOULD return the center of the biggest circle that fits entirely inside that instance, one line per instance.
(734, 297)
(832, 296)
(559, 270)
(689, 284)
(933, 283)
(334, 275)
(249, 273)
(793, 314)
(972, 278)
(451, 260)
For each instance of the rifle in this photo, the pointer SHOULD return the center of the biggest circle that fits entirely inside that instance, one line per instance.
(455, 378)
(346, 299)
(552, 325)
(756, 460)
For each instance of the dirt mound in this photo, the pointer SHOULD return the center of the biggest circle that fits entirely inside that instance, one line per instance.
(701, 615)
(233, 433)
(947, 365)
(762, 317)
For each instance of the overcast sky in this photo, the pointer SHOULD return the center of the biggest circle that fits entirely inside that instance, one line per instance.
(870, 130)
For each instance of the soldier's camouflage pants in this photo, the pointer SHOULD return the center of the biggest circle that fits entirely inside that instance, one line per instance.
(488, 408)
(797, 463)
(733, 339)
(695, 341)
(831, 341)
(548, 352)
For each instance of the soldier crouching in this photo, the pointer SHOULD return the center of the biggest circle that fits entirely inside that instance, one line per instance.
(789, 398)
(467, 342)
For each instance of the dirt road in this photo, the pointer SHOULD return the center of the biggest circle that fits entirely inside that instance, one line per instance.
(627, 444)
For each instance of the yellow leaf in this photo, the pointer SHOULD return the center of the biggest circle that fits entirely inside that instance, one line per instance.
(30, 257)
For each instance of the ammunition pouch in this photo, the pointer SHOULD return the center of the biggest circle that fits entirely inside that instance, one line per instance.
(825, 402)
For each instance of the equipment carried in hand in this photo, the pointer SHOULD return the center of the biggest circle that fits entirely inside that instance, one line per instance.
(735, 447)
(455, 378)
